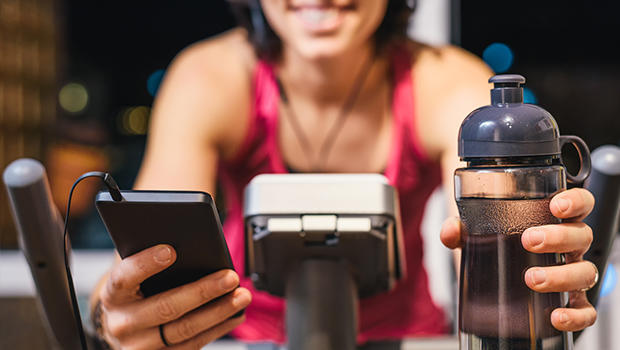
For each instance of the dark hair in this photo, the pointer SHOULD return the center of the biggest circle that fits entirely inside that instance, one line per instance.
(268, 45)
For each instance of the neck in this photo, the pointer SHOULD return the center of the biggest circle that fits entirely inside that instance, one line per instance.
(328, 81)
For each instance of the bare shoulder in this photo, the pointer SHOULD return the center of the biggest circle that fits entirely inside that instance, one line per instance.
(200, 114)
(449, 71)
(448, 60)
(449, 83)
(208, 86)
(228, 52)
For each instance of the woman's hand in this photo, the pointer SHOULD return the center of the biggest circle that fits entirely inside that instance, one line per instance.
(187, 317)
(571, 237)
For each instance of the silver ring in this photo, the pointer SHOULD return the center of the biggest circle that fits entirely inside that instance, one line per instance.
(595, 280)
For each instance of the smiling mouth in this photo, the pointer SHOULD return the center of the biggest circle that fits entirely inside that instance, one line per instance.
(321, 19)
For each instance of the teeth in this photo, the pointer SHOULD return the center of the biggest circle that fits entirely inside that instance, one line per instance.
(317, 15)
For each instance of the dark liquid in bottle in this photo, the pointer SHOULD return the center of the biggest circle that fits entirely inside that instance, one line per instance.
(497, 310)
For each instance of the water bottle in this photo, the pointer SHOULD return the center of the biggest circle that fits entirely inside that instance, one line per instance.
(514, 168)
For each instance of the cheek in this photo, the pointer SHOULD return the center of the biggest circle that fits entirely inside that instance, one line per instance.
(371, 13)
(275, 13)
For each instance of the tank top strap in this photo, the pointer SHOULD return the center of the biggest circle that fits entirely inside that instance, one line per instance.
(267, 97)
(266, 93)
(260, 142)
(403, 101)
(408, 158)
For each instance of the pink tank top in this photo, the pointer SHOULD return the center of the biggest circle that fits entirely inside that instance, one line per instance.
(408, 309)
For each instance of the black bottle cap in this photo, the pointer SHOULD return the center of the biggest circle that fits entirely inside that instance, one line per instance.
(510, 128)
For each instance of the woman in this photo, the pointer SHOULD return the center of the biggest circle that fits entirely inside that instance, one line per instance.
(335, 87)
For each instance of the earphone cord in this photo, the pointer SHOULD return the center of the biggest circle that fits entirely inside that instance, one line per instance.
(329, 140)
(116, 195)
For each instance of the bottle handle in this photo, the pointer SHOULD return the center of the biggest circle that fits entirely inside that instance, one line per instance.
(584, 158)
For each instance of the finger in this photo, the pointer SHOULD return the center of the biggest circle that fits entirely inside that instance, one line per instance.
(575, 204)
(172, 304)
(562, 278)
(451, 233)
(576, 318)
(559, 238)
(191, 325)
(212, 334)
(123, 284)
(207, 316)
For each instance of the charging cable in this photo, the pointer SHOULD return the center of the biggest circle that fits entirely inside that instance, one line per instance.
(115, 193)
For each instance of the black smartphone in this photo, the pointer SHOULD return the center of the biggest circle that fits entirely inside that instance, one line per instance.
(186, 220)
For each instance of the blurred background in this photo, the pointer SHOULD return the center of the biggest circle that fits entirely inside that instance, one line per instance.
(77, 78)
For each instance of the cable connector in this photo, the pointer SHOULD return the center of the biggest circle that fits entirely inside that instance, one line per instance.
(109, 182)
(115, 193)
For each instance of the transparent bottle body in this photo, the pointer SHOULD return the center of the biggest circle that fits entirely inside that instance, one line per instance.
(496, 308)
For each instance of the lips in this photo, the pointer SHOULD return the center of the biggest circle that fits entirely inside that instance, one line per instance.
(317, 16)
(320, 19)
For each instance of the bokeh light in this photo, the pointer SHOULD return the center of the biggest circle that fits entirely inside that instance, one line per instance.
(610, 281)
(73, 97)
(529, 96)
(154, 80)
(134, 120)
(498, 56)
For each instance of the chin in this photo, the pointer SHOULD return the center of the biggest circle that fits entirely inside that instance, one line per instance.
(321, 49)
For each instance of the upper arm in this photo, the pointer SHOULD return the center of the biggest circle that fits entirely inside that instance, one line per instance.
(455, 83)
(199, 116)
